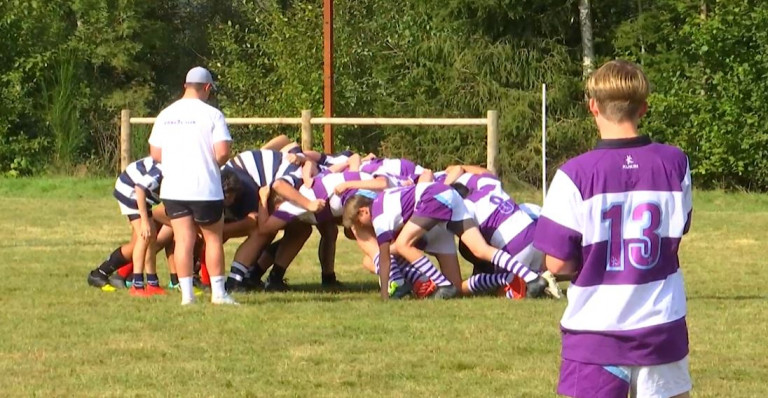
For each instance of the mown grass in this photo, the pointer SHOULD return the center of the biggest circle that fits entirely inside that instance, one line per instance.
(63, 338)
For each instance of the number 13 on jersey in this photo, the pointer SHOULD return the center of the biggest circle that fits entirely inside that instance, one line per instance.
(624, 244)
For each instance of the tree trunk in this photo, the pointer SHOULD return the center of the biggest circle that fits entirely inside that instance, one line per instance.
(587, 44)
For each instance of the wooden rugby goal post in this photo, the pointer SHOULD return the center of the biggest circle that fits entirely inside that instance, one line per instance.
(306, 121)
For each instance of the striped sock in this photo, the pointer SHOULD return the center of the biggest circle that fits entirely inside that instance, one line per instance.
(238, 271)
(395, 273)
(138, 281)
(485, 282)
(504, 261)
(426, 267)
(152, 280)
(411, 274)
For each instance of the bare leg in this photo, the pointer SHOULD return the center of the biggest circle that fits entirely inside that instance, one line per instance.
(450, 267)
(277, 143)
(214, 247)
(405, 247)
(326, 251)
(184, 237)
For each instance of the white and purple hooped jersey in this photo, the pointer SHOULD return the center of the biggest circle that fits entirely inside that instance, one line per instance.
(395, 206)
(392, 168)
(323, 187)
(328, 160)
(266, 166)
(145, 173)
(503, 223)
(473, 182)
(620, 212)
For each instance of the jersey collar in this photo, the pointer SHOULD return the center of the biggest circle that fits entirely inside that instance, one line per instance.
(618, 143)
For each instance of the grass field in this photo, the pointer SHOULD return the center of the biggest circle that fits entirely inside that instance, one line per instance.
(63, 338)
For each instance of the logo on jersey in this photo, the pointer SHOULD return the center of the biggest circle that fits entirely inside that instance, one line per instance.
(504, 206)
(629, 163)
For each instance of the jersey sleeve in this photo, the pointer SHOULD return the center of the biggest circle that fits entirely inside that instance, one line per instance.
(220, 129)
(558, 230)
(687, 197)
(288, 211)
(151, 180)
(384, 230)
(157, 136)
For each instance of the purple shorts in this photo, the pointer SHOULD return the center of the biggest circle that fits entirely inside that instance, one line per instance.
(440, 202)
(585, 380)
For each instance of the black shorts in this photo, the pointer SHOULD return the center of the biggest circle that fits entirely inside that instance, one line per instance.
(204, 212)
(133, 217)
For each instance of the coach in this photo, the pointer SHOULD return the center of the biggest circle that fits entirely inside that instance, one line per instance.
(191, 140)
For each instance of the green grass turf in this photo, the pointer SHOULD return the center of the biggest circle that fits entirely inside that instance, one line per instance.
(63, 338)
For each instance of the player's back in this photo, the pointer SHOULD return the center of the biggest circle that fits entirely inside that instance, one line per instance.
(628, 202)
(145, 172)
(186, 131)
(265, 166)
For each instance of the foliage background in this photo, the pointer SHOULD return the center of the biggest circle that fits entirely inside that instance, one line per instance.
(70, 66)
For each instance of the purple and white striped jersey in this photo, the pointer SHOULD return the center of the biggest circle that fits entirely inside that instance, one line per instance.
(266, 166)
(145, 173)
(398, 168)
(620, 212)
(327, 160)
(503, 223)
(474, 182)
(393, 207)
(322, 188)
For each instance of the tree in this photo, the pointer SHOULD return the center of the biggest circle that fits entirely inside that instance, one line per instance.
(587, 44)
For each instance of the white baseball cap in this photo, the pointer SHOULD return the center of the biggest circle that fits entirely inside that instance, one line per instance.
(199, 74)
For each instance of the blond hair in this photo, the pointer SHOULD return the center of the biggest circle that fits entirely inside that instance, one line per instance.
(620, 89)
(352, 209)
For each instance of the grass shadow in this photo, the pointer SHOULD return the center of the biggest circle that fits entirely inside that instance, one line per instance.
(347, 287)
(728, 298)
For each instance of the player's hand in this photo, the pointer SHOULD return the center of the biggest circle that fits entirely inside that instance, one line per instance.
(264, 194)
(427, 176)
(296, 159)
(407, 183)
(368, 157)
(340, 188)
(316, 205)
(147, 229)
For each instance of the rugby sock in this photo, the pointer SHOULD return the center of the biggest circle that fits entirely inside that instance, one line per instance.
(257, 272)
(152, 280)
(277, 273)
(272, 248)
(138, 281)
(395, 273)
(485, 282)
(410, 274)
(217, 286)
(503, 260)
(174, 279)
(187, 290)
(426, 267)
(112, 263)
(238, 271)
(328, 278)
(125, 271)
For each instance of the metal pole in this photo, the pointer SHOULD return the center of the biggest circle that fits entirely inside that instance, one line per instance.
(328, 73)
(543, 141)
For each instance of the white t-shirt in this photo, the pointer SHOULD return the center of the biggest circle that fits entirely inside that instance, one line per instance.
(186, 131)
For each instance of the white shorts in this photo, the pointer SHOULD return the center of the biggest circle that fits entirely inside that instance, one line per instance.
(127, 211)
(583, 380)
(440, 240)
(660, 381)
